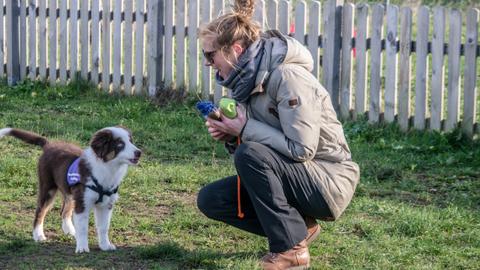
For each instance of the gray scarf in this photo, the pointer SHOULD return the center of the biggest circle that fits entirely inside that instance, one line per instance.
(241, 79)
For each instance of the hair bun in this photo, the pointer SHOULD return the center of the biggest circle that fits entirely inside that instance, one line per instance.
(244, 7)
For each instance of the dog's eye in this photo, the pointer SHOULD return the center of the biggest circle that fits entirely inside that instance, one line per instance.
(120, 145)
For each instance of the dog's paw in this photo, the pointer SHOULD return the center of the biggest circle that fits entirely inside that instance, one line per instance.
(107, 246)
(39, 236)
(82, 249)
(68, 228)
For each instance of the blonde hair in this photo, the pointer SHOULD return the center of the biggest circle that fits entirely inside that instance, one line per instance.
(235, 26)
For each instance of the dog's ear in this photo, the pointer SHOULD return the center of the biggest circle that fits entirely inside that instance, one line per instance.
(101, 144)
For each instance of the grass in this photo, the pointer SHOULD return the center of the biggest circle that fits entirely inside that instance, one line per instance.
(417, 206)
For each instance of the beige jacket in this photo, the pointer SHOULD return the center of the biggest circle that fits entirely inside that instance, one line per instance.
(291, 112)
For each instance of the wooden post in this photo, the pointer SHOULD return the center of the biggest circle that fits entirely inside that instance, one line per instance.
(181, 60)
(117, 47)
(169, 22)
(206, 15)
(438, 69)
(23, 39)
(105, 46)
(63, 34)
(391, 59)
(346, 69)
(32, 40)
(155, 45)
(332, 49)
(272, 14)
(73, 36)
(193, 16)
(376, 64)
(84, 40)
(13, 53)
(139, 46)
(95, 35)
(52, 42)
(259, 13)
(283, 12)
(337, 50)
(300, 18)
(421, 73)
(405, 72)
(361, 60)
(127, 46)
(470, 78)
(454, 44)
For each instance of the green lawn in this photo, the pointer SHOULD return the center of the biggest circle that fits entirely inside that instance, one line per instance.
(417, 206)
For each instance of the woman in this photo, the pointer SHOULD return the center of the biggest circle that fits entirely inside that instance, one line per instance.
(294, 163)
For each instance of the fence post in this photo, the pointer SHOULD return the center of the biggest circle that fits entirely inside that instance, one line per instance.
(470, 78)
(404, 75)
(332, 50)
(13, 53)
(193, 15)
(348, 19)
(155, 45)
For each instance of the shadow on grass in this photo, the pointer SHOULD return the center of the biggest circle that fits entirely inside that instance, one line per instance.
(23, 253)
(187, 259)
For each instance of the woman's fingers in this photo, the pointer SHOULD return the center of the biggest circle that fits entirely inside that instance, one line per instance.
(219, 125)
(228, 126)
(216, 134)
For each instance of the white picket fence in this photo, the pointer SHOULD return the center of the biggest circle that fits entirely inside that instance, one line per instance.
(364, 55)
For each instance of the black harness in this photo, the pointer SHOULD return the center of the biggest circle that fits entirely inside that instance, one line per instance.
(100, 190)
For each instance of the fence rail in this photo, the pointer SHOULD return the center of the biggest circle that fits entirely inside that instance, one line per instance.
(385, 62)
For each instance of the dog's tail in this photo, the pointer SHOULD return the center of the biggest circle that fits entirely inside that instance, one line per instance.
(26, 136)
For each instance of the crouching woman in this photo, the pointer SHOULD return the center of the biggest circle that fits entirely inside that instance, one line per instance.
(294, 165)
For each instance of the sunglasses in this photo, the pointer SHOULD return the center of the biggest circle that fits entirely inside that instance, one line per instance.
(209, 55)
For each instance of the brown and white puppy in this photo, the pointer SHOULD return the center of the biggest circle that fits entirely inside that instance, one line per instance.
(101, 168)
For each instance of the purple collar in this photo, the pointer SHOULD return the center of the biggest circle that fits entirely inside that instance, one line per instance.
(73, 175)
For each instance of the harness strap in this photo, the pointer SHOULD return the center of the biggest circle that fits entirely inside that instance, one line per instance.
(99, 189)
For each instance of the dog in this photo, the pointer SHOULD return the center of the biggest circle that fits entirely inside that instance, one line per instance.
(87, 178)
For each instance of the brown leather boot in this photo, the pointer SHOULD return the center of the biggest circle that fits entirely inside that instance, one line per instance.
(313, 230)
(294, 259)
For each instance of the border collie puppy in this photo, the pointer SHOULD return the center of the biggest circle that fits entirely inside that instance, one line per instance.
(87, 179)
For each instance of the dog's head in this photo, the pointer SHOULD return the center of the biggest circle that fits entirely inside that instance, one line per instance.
(115, 144)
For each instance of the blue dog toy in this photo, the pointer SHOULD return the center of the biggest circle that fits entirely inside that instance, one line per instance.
(208, 109)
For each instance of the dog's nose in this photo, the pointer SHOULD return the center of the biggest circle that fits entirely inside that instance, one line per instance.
(138, 153)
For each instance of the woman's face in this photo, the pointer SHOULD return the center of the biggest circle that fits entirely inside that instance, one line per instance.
(219, 61)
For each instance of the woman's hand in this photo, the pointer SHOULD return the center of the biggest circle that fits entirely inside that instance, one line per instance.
(215, 133)
(227, 128)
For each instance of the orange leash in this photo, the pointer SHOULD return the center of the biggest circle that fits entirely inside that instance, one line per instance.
(239, 204)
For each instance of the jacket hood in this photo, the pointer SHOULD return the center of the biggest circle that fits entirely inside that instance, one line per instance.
(280, 49)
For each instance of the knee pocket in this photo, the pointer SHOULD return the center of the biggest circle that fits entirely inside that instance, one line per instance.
(203, 200)
(248, 154)
(208, 201)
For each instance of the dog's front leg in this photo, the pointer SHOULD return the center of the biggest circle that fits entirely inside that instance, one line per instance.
(103, 215)
(80, 220)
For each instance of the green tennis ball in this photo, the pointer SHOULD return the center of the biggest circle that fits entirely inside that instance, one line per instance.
(228, 107)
